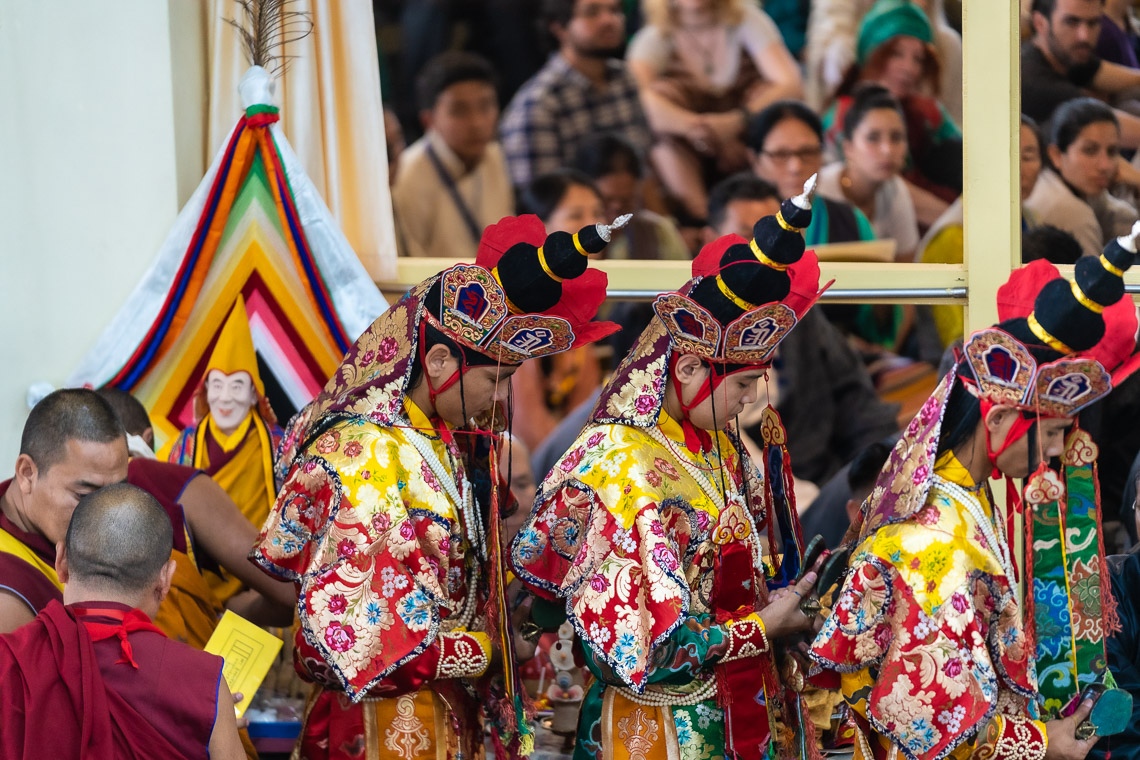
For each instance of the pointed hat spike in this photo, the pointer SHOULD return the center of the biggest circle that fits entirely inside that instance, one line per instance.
(804, 199)
(1128, 242)
(605, 231)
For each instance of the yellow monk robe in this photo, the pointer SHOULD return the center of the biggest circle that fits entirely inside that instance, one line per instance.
(27, 567)
(243, 466)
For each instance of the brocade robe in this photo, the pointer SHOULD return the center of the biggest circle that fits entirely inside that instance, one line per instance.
(927, 635)
(625, 530)
(371, 526)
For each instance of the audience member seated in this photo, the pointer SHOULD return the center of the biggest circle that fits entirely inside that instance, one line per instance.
(702, 66)
(1072, 194)
(830, 516)
(1049, 243)
(894, 51)
(93, 677)
(1118, 42)
(1059, 64)
(831, 49)
(618, 172)
(869, 175)
(544, 391)
(582, 90)
(71, 444)
(944, 243)
(453, 181)
(786, 143)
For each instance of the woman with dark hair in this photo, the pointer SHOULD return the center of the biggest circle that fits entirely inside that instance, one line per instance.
(1084, 161)
(894, 50)
(874, 140)
(928, 639)
(869, 176)
(612, 162)
(786, 141)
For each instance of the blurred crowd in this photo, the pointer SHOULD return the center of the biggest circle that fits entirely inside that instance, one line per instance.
(698, 116)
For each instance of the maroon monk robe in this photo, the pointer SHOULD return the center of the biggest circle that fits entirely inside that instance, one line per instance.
(166, 483)
(18, 576)
(65, 695)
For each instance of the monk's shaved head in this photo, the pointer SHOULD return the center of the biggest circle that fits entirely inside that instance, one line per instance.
(128, 409)
(119, 539)
(72, 414)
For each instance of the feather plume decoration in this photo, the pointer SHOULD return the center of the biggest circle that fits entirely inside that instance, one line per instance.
(267, 29)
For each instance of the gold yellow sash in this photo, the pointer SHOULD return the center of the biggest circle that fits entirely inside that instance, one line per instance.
(9, 544)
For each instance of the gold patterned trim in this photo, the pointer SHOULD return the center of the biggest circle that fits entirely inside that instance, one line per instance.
(546, 267)
(1046, 336)
(578, 245)
(1084, 300)
(727, 291)
(783, 223)
(1104, 262)
(763, 257)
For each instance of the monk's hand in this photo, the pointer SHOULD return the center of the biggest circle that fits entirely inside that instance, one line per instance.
(794, 611)
(1064, 735)
(242, 722)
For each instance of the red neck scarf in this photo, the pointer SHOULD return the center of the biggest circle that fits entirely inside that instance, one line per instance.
(125, 624)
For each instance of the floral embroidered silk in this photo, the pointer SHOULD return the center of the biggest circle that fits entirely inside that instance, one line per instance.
(375, 542)
(927, 634)
(623, 530)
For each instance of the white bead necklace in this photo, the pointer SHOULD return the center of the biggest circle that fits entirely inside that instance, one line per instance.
(467, 614)
(978, 512)
(703, 480)
(656, 698)
(714, 494)
(464, 501)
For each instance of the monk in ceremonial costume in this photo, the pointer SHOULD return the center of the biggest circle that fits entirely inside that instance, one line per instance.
(208, 528)
(236, 435)
(93, 677)
(388, 520)
(928, 638)
(71, 445)
(649, 530)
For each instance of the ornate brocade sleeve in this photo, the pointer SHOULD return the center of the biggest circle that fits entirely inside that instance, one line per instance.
(691, 647)
(365, 534)
(926, 642)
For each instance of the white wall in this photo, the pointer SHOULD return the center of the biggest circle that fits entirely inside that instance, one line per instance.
(90, 178)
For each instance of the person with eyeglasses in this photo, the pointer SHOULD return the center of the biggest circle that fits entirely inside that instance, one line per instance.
(786, 144)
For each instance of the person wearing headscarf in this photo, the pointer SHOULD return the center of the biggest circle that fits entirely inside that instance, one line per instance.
(933, 648)
(649, 533)
(389, 518)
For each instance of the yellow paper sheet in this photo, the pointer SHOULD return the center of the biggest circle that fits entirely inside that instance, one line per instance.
(249, 652)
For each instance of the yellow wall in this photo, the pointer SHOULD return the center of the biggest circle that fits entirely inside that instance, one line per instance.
(90, 178)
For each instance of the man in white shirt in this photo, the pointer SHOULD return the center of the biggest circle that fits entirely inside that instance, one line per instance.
(453, 181)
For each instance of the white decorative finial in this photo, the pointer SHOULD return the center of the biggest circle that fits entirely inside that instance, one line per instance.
(256, 88)
(803, 200)
(605, 231)
(1128, 242)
